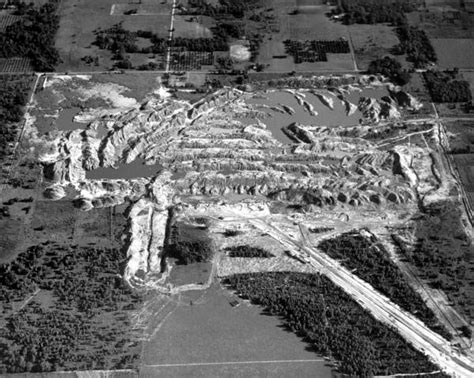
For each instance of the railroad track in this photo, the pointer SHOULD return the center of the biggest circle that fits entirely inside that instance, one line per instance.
(438, 349)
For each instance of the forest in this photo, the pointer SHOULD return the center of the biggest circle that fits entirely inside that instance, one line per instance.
(33, 36)
(84, 323)
(370, 261)
(390, 68)
(444, 87)
(375, 11)
(333, 323)
(14, 91)
(442, 251)
(248, 251)
(415, 43)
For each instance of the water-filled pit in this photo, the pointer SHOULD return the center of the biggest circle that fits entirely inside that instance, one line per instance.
(326, 116)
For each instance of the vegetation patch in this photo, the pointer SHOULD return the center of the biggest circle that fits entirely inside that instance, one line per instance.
(370, 261)
(443, 251)
(444, 87)
(14, 91)
(185, 51)
(72, 310)
(33, 36)
(332, 322)
(415, 43)
(248, 251)
(390, 68)
(189, 244)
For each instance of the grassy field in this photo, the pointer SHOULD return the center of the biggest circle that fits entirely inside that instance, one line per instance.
(454, 52)
(197, 273)
(193, 27)
(442, 22)
(309, 24)
(210, 330)
(372, 42)
(461, 136)
(80, 18)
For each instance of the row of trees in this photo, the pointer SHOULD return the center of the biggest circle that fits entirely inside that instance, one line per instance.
(67, 331)
(375, 11)
(370, 261)
(334, 324)
(224, 8)
(444, 87)
(248, 251)
(33, 37)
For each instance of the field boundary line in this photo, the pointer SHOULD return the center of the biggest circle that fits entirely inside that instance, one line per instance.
(235, 363)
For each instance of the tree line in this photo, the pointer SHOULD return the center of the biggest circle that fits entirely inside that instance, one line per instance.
(375, 11)
(223, 8)
(33, 36)
(332, 322)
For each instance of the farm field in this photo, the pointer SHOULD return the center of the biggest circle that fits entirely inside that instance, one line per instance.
(454, 53)
(80, 18)
(205, 328)
(371, 42)
(443, 22)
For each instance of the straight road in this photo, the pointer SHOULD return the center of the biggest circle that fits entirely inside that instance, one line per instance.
(170, 37)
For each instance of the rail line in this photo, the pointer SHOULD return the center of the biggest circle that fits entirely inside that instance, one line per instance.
(438, 349)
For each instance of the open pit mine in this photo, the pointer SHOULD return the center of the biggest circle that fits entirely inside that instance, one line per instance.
(275, 161)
